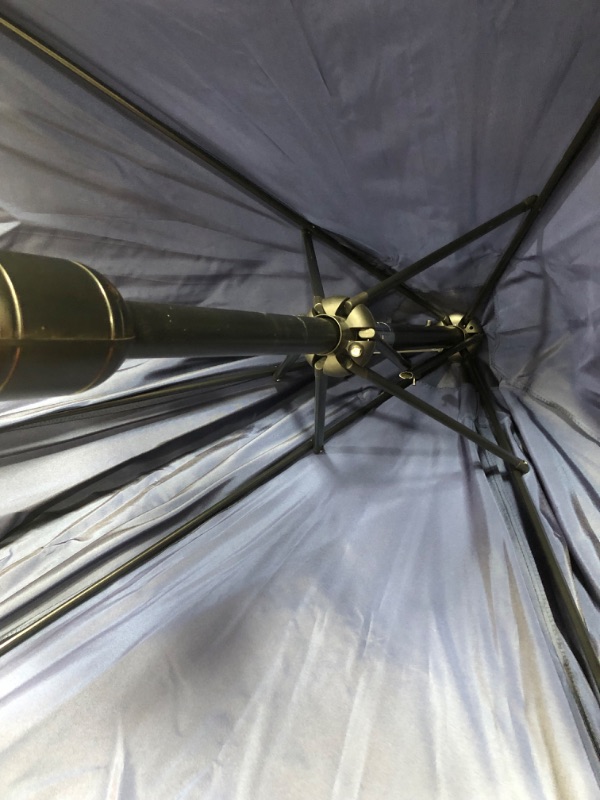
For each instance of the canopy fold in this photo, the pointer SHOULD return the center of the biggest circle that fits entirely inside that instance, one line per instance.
(370, 622)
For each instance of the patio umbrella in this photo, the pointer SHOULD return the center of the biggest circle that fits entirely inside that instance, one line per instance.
(194, 602)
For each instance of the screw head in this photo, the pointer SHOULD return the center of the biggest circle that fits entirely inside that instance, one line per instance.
(356, 350)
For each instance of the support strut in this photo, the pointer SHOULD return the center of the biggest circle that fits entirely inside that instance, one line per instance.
(391, 283)
(410, 399)
(580, 140)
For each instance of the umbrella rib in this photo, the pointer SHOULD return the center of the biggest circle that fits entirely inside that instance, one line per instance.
(174, 389)
(285, 366)
(433, 363)
(367, 261)
(416, 402)
(396, 358)
(320, 409)
(579, 141)
(389, 284)
(153, 459)
(20, 633)
(565, 611)
(23, 632)
(316, 284)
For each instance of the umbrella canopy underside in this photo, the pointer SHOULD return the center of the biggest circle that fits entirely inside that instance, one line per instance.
(370, 622)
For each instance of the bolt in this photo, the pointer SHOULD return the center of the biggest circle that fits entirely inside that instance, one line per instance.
(356, 350)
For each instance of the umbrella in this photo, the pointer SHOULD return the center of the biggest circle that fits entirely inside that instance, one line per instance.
(189, 607)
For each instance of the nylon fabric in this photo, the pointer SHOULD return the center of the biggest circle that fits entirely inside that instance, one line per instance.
(368, 624)
(546, 357)
(347, 656)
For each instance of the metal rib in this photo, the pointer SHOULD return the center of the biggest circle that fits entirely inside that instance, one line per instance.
(581, 138)
(316, 284)
(23, 632)
(564, 607)
(320, 409)
(439, 416)
(368, 262)
(389, 284)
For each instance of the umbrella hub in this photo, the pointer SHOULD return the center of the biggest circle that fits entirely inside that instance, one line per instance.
(355, 340)
(360, 336)
(471, 331)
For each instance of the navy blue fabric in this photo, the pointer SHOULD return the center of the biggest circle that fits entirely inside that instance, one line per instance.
(369, 624)
(545, 354)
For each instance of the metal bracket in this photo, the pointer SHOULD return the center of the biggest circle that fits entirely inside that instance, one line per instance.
(350, 343)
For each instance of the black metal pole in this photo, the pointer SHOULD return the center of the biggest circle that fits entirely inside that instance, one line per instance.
(21, 632)
(390, 284)
(423, 337)
(164, 330)
(439, 416)
(285, 366)
(579, 141)
(441, 358)
(396, 358)
(419, 371)
(66, 328)
(562, 602)
(320, 409)
(316, 283)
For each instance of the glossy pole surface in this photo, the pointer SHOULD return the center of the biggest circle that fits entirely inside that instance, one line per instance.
(164, 330)
(65, 328)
